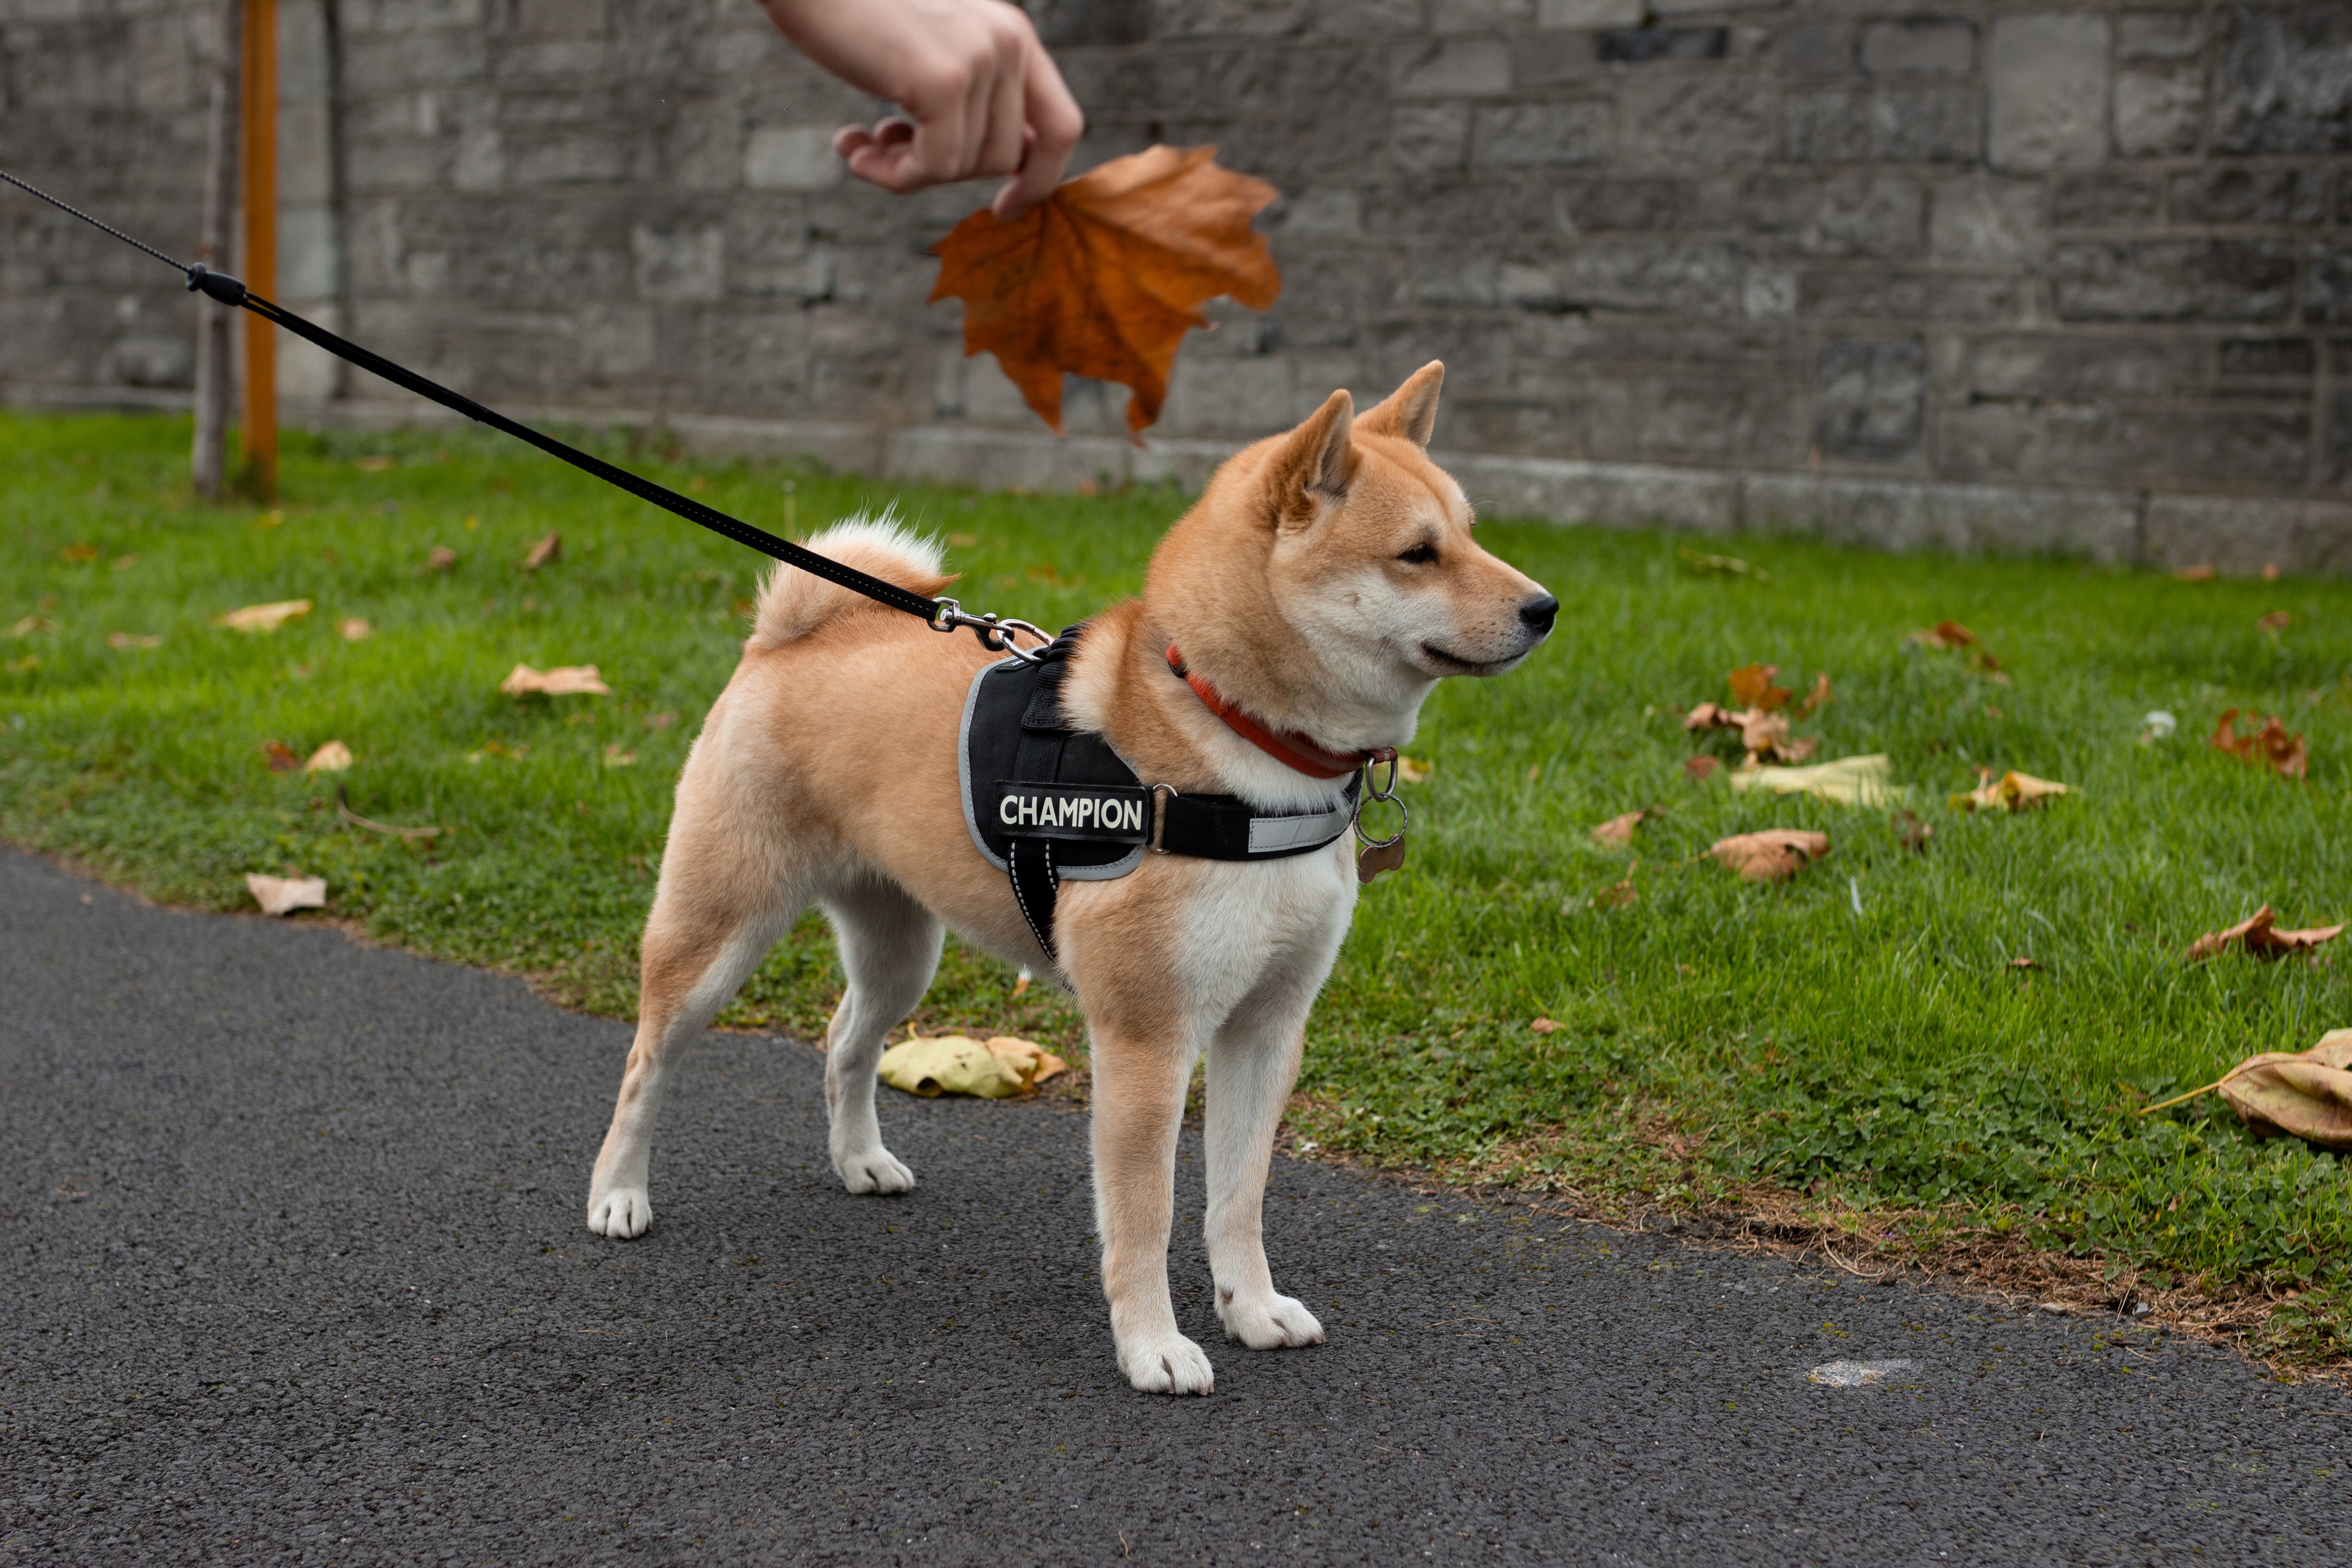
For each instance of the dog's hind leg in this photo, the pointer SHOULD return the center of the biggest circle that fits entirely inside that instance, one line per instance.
(889, 950)
(707, 931)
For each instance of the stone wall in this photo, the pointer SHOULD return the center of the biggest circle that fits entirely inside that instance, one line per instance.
(2040, 275)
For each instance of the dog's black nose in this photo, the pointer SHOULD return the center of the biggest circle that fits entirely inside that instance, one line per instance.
(1539, 613)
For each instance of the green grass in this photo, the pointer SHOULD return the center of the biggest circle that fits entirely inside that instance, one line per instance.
(1859, 1034)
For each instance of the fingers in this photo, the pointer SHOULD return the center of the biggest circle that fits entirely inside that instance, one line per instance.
(1054, 125)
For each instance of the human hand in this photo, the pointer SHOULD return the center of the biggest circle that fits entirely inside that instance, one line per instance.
(977, 93)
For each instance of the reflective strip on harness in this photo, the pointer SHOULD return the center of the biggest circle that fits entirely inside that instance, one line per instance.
(1272, 835)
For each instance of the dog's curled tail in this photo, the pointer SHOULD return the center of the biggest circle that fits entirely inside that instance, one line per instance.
(793, 604)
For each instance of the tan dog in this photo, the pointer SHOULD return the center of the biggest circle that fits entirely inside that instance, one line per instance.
(1323, 584)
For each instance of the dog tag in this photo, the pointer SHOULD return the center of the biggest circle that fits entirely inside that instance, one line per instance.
(1373, 861)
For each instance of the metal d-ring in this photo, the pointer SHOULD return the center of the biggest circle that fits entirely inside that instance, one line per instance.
(996, 631)
(1380, 792)
(1159, 815)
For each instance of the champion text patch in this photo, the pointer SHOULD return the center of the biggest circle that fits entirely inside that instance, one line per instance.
(1105, 812)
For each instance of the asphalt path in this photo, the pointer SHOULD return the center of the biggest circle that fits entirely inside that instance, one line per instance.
(295, 1271)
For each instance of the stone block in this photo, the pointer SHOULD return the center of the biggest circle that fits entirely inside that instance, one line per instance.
(2047, 78)
(2327, 291)
(1480, 16)
(1919, 45)
(1905, 516)
(2284, 82)
(1648, 276)
(1253, 18)
(2241, 535)
(1429, 138)
(1767, 293)
(1641, 46)
(1882, 124)
(1588, 16)
(1618, 495)
(1549, 60)
(2146, 35)
(2270, 358)
(1815, 49)
(1542, 135)
(1359, 17)
(2237, 195)
(2173, 280)
(1605, 205)
(1688, 121)
(1451, 67)
(678, 266)
(1985, 218)
(791, 158)
(1062, 24)
(1911, 296)
(2105, 201)
(569, 159)
(1693, 8)
(1847, 216)
(1246, 398)
(1870, 398)
(2066, 367)
(2218, 442)
(2159, 111)
(2335, 455)
(1327, 212)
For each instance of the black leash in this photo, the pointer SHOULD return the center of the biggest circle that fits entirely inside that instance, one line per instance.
(941, 614)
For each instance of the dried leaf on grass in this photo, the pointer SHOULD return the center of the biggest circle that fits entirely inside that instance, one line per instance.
(1618, 895)
(1848, 781)
(440, 558)
(354, 629)
(544, 551)
(1773, 854)
(1762, 734)
(1943, 634)
(1412, 770)
(2201, 572)
(956, 1064)
(563, 681)
(284, 895)
(32, 623)
(1620, 829)
(2259, 936)
(2012, 791)
(2289, 755)
(2306, 1094)
(281, 757)
(1700, 769)
(1910, 832)
(1544, 1025)
(1751, 687)
(121, 641)
(2276, 621)
(256, 618)
(1104, 277)
(331, 758)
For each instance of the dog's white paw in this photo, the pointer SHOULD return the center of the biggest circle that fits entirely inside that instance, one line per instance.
(1167, 1364)
(875, 1170)
(1268, 1322)
(622, 1212)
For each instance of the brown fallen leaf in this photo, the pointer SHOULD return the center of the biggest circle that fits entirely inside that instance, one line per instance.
(1699, 769)
(2306, 1094)
(1021, 983)
(331, 758)
(1620, 829)
(2197, 573)
(1771, 856)
(354, 629)
(123, 640)
(1763, 733)
(2276, 621)
(2288, 753)
(281, 757)
(1818, 698)
(1544, 1025)
(2025, 963)
(1618, 895)
(618, 756)
(440, 558)
(1910, 832)
(1104, 277)
(2259, 936)
(1751, 687)
(544, 551)
(564, 680)
(255, 619)
(284, 895)
(80, 553)
(32, 623)
(377, 463)
(2012, 791)
(1943, 634)
(1412, 770)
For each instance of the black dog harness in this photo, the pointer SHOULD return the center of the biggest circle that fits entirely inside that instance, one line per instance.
(1048, 804)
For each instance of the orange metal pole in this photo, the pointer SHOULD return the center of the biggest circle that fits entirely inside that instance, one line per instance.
(261, 93)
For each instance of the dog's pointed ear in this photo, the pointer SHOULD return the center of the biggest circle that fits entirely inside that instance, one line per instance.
(1411, 410)
(1314, 465)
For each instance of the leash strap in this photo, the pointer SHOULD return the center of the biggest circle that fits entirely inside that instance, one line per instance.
(941, 614)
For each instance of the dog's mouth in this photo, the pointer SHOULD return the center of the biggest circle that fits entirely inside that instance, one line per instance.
(1446, 663)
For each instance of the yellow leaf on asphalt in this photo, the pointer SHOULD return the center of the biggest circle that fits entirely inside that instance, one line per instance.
(564, 680)
(331, 758)
(956, 1064)
(256, 618)
(1849, 781)
(1773, 854)
(284, 895)
(2014, 791)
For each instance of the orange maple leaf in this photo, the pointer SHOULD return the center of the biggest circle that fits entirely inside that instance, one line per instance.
(1104, 277)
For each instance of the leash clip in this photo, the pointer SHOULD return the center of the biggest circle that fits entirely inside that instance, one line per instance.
(1386, 792)
(995, 632)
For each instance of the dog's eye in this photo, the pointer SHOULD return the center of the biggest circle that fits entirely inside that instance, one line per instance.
(1420, 555)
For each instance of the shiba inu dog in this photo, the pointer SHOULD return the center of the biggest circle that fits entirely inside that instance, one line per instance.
(1292, 623)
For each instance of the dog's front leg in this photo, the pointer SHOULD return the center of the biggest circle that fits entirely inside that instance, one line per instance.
(1253, 1063)
(1138, 1105)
